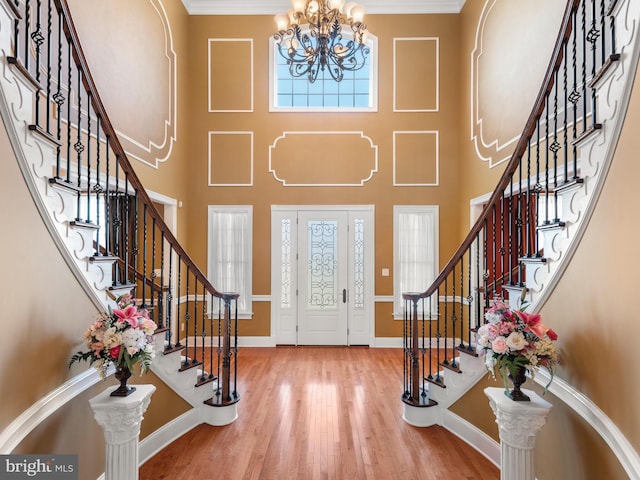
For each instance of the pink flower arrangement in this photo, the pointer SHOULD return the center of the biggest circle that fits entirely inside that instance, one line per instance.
(123, 336)
(513, 339)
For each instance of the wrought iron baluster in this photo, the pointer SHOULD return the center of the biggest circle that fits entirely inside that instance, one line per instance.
(59, 99)
(519, 224)
(161, 287)
(438, 377)
(135, 240)
(97, 189)
(144, 255)
(27, 24)
(79, 148)
(494, 262)
(501, 248)
(69, 83)
(527, 202)
(545, 220)
(555, 147)
(178, 302)
(574, 98)
(88, 157)
(478, 290)
(592, 38)
(431, 366)
(219, 366)
(48, 89)
(125, 228)
(510, 235)
(537, 189)
(485, 268)
(194, 360)
(424, 348)
(454, 320)
(603, 37)
(116, 223)
(565, 85)
(38, 39)
(461, 344)
(211, 334)
(612, 28)
(153, 275)
(584, 66)
(187, 317)
(107, 200)
(169, 297)
(470, 296)
(16, 36)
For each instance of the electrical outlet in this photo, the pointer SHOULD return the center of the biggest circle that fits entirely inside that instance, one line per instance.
(182, 327)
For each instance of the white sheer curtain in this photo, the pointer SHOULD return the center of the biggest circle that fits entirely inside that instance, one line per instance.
(230, 253)
(416, 250)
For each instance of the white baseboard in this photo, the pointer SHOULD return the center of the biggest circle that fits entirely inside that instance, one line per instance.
(28, 420)
(473, 436)
(168, 433)
(242, 341)
(599, 421)
(388, 342)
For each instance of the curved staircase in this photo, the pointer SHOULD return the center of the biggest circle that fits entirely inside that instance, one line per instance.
(109, 232)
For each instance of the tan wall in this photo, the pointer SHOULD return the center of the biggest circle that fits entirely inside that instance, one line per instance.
(40, 327)
(267, 127)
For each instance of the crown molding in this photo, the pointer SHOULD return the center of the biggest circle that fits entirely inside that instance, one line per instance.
(273, 7)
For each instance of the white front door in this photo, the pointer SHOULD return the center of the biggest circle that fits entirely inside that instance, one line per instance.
(322, 278)
(322, 275)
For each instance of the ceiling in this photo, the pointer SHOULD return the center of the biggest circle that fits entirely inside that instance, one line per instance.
(272, 7)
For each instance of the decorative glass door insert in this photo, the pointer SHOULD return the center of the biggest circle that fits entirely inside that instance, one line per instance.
(322, 318)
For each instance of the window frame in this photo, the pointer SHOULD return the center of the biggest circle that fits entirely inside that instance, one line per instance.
(245, 292)
(371, 42)
(431, 210)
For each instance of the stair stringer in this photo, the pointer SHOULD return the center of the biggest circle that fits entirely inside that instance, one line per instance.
(595, 154)
(35, 155)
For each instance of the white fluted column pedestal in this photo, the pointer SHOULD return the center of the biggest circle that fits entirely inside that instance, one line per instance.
(519, 424)
(120, 418)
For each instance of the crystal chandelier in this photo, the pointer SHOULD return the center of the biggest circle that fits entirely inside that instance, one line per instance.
(322, 47)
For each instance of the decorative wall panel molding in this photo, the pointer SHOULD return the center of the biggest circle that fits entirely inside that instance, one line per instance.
(329, 159)
(495, 129)
(416, 74)
(416, 158)
(149, 88)
(230, 82)
(230, 159)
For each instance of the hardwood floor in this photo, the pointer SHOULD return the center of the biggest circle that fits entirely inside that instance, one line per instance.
(319, 413)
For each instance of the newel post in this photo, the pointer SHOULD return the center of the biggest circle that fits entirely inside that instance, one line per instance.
(226, 395)
(519, 424)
